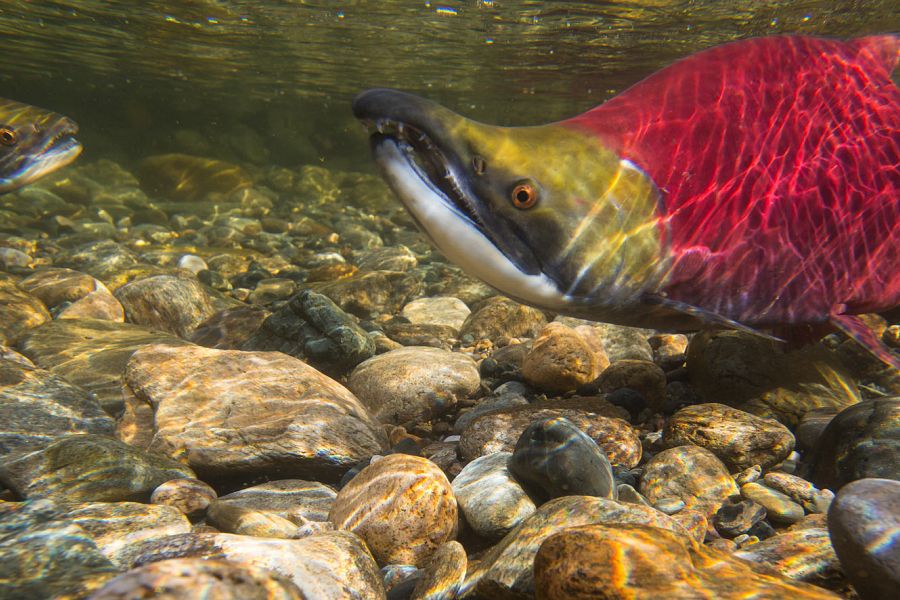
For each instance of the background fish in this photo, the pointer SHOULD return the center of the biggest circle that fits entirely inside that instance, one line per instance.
(33, 143)
(749, 185)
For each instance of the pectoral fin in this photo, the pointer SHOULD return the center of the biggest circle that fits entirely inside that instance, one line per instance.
(706, 316)
(856, 329)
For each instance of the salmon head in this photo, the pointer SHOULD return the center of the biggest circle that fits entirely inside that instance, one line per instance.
(33, 143)
(546, 214)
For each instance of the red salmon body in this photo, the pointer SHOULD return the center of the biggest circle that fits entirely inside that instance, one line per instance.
(778, 163)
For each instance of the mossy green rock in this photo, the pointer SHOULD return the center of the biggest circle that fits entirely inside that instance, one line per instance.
(88, 468)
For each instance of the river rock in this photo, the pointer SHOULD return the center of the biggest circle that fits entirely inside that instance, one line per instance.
(312, 327)
(500, 317)
(739, 439)
(863, 522)
(779, 507)
(91, 354)
(490, 498)
(414, 384)
(802, 553)
(561, 360)
(643, 376)
(401, 505)
(191, 497)
(88, 468)
(55, 286)
(441, 310)
(736, 516)
(117, 527)
(186, 178)
(756, 375)
(690, 473)
(863, 441)
(486, 405)
(173, 304)
(180, 578)
(443, 574)
(499, 431)
(231, 518)
(102, 259)
(37, 406)
(292, 499)
(389, 258)
(640, 561)
(372, 293)
(331, 565)
(505, 570)
(229, 328)
(49, 560)
(554, 458)
(812, 499)
(197, 416)
(811, 426)
(19, 310)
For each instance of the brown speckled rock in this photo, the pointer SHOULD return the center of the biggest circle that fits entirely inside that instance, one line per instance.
(443, 574)
(294, 499)
(332, 565)
(165, 302)
(690, 473)
(499, 431)
(639, 561)
(180, 578)
(232, 414)
(19, 310)
(413, 383)
(803, 553)
(505, 570)
(739, 439)
(501, 317)
(190, 496)
(561, 359)
(401, 505)
(643, 376)
(83, 295)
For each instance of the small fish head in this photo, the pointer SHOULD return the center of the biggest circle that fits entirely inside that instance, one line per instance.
(33, 143)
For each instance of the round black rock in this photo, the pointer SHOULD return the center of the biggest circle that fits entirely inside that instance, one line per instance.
(554, 458)
(864, 525)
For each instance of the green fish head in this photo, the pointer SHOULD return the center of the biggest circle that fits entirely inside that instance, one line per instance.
(33, 143)
(546, 215)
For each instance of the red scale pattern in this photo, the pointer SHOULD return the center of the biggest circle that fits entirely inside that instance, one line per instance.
(779, 163)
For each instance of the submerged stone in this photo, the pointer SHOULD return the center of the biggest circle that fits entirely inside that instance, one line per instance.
(286, 419)
(37, 406)
(554, 458)
(401, 505)
(690, 473)
(88, 468)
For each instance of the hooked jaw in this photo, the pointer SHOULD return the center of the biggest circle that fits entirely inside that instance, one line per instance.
(415, 148)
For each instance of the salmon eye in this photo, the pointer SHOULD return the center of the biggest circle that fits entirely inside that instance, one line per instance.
(479, 165)
(7, 136)
(524, 195)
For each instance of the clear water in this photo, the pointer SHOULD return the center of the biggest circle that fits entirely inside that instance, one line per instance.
(271, 82)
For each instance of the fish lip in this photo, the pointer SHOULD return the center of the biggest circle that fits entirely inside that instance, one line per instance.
(405, 121)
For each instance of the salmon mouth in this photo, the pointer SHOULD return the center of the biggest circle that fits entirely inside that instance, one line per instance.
(426, 159)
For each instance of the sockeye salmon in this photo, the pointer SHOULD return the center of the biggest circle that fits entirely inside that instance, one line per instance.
(33, 142)
(750, 185)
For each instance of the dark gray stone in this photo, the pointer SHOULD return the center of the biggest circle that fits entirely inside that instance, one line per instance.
(735, 517)
(554, 458)
(312, 327)
(864, 521)
(862, 441)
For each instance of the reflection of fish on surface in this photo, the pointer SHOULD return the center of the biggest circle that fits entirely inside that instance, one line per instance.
(753, 184)
(33, 142)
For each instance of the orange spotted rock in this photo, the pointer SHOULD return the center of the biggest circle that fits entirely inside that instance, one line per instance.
(401, 505)
(561, 359)
(691, 474)
(644, 562)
